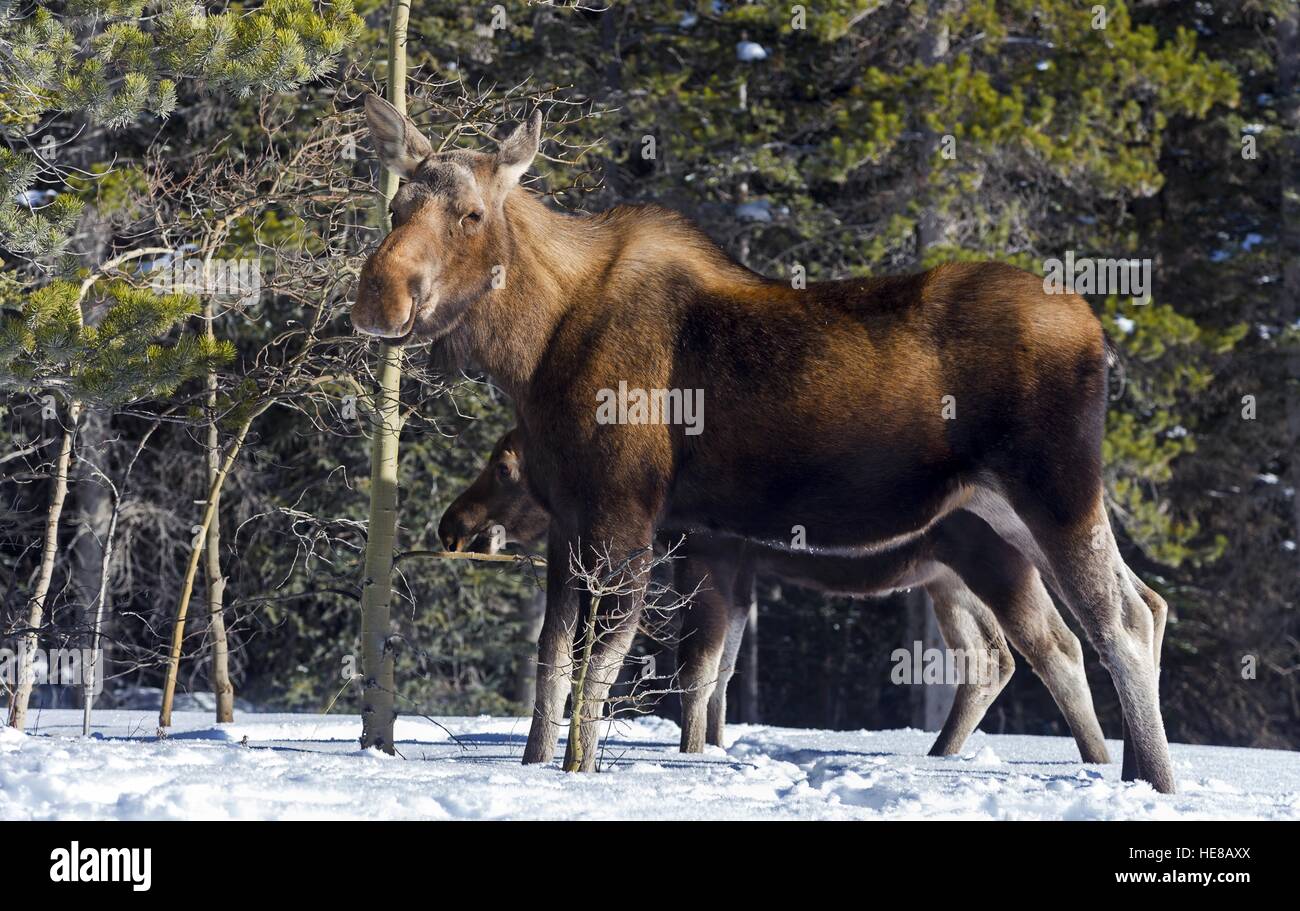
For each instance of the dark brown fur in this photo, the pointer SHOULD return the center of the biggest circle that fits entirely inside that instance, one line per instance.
(981, 588)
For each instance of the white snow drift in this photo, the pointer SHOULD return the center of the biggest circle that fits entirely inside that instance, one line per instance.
(309, 767)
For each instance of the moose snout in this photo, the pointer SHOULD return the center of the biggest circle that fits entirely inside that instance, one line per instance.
(456, 530)
(390, 295)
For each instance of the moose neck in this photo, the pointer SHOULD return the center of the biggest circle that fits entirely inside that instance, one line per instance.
(557, 261)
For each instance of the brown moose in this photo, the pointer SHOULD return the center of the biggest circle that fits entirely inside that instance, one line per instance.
(863, 410)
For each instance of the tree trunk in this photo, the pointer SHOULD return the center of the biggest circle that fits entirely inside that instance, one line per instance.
(187, 587)
(92, 506)
(22, 693)
(935, 40)
(532, 612)
(91, 509)
(378, 712)
(580, 710)
(215, 582)
(749, 694)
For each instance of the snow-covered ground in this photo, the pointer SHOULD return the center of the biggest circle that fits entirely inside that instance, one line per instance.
(308, 767)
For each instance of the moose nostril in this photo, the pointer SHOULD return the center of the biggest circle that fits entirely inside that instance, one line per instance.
(451, 540)
(418, 288)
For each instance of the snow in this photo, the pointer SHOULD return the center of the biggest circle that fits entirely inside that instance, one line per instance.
(754, 210)
(280, 766)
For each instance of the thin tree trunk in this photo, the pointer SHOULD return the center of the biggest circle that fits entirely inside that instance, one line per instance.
(378, 712)
(89, 510)
(579, 709)
(532, 612)
(91, 507)
(36, 604)
(215, 582)
(749, 687)
(187, 589)
(96, 671)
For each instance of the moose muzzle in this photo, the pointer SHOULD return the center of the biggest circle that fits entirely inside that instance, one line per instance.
(392, 293)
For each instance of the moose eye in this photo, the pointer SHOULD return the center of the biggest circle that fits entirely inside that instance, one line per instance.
(471, 218)
(503, 472)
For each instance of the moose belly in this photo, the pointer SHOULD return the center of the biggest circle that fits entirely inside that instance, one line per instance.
(838, 501)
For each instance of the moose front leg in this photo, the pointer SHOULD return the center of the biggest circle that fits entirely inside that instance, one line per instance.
(554, 651)
(614, 577)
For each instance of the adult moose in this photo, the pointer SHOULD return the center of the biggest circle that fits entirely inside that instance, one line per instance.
(829, 408)
(984, 594)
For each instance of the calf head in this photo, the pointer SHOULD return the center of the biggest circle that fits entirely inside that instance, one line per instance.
(497, 508)
(449, 236)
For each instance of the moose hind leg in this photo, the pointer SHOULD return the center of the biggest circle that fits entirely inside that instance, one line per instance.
(986, 664)
(705, 626)
(1008, 583)
(717, 720)
(1159, 614)
(1037, 630)
(1082, 559)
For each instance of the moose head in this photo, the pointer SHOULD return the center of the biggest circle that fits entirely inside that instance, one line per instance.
(449, 236)
(499, 500)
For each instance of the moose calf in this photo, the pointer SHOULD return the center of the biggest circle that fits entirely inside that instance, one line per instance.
(984, 593)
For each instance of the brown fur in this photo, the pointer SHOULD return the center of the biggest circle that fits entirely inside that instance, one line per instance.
(823, 405)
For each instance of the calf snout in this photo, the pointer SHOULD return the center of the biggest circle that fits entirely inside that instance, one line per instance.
(460, 528)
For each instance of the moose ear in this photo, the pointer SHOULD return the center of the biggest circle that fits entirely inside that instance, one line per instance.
(519, 148)
(400, 144)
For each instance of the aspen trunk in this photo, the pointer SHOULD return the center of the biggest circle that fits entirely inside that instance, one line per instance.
(199, 548)
(378, 712)
(377, 694)
(22, 693)
(89, 511)
(98, 670)
(215, 582)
